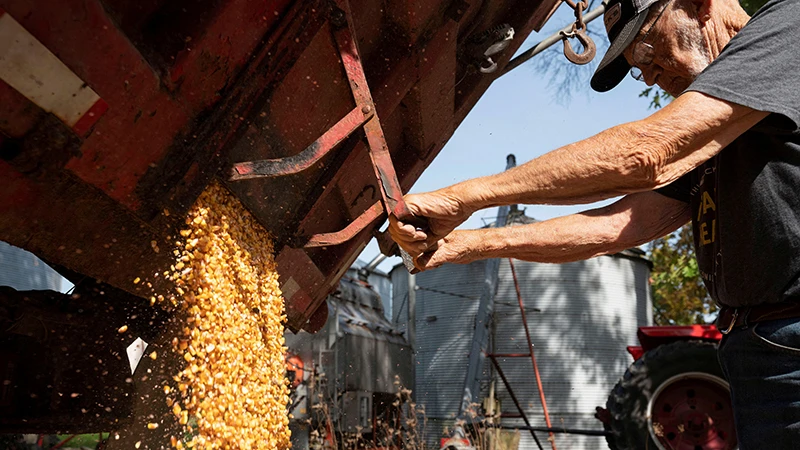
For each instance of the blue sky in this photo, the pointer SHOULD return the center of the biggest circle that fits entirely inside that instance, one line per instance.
(520, 114)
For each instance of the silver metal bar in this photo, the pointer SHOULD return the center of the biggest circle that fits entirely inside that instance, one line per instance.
(372, 265)
(549, 42)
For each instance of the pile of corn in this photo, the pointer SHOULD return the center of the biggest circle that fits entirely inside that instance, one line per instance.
(232, 392)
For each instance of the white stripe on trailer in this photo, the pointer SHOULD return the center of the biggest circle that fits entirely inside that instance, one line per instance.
(30, 68)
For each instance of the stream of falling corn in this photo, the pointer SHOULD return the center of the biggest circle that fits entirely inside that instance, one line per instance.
(232, 392)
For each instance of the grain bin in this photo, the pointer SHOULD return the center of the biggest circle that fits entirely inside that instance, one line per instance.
(352, 368)
(581, 316)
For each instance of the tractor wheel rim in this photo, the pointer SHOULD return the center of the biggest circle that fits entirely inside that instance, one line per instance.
(684, 416)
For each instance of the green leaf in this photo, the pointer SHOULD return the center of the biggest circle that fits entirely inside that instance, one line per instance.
(679, 296)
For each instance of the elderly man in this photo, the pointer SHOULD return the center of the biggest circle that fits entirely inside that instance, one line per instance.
(724, 154)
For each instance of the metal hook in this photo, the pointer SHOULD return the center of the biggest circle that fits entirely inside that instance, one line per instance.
(491, 67)
(589, 49)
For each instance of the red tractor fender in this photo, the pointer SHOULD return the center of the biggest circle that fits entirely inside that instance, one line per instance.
(652, 337)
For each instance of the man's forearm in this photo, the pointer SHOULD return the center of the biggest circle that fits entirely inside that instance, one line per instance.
(629, 222)
(597, 168)
(632, 157)
(559, 240)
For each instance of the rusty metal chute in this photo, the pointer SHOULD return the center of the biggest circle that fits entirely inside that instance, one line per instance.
(186, 89)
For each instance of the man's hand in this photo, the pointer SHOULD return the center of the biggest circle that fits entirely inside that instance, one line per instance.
(443, 210)
(458, 247)
(629, 222)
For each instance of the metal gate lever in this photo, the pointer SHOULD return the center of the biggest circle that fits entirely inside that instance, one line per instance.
(363, 115)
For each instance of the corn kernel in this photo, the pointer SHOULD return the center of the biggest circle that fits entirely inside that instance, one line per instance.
(233, 380)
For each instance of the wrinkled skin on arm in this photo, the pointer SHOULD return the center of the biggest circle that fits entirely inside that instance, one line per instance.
(444, 212)
(631, 221)
(636, 157)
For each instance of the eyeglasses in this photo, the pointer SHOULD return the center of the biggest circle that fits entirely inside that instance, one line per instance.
(643, 53)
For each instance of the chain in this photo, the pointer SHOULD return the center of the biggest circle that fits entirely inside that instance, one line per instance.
(578, 30)
(578, 8)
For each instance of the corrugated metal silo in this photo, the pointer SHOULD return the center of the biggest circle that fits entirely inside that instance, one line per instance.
(355, 360)
(23, 271)
(581, 316)
(379, 281)
(447, 302)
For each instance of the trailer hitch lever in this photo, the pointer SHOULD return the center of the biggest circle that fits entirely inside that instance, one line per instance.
(420, 223)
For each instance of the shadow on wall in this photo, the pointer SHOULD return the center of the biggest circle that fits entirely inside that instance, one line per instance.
(447, 301)
(589, 313)
(581, 317)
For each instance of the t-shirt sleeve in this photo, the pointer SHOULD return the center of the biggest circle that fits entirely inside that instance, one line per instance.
(759, 66)
(679, 189)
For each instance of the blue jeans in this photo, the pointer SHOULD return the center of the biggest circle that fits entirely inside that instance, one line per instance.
(762, 365)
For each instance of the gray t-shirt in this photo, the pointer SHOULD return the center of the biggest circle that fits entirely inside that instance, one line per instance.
(745, 201)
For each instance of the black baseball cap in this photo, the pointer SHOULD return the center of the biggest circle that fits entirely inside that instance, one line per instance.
(623, 20)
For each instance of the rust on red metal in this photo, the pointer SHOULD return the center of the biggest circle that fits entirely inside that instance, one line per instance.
(362, 114)
(308, 157)
(378, 149)
(349, 232)
(302, 281)
(193, 87)
(530, 355)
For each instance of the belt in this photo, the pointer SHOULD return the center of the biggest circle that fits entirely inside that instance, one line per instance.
(731, 318)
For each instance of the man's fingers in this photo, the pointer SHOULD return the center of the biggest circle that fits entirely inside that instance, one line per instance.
(423, 261)
(431, 244)
(417, 238)
(413, 248)
(429, 260)
(404, 231)
(434, 256)
(456, 248)
(412, 245)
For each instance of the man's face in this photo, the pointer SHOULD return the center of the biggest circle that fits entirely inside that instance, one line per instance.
(680, 51)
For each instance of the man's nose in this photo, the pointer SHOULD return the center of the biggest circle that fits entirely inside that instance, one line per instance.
(651, 73)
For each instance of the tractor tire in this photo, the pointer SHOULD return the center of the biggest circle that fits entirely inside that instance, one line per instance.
(12, 442)
(673, 397)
